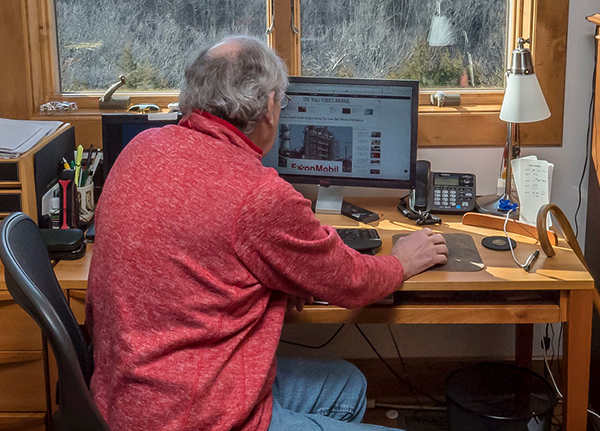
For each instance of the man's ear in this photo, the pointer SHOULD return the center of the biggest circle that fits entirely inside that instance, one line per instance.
(270, 109)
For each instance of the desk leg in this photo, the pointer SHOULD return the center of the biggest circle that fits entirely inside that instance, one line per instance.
(578, 333)
(524, 345)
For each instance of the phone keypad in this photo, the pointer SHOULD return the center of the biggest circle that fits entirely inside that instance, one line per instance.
(449, 198)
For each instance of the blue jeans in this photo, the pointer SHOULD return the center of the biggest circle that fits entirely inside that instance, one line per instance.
(319, 395)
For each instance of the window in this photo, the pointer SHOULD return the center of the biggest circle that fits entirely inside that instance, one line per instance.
(458, 43)
(299, 28)
(148, 41)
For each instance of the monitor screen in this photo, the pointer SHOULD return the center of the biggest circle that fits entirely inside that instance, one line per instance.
(348, 132)
(119, 129)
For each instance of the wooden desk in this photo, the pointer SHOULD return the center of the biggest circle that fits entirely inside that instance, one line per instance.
(565, 288)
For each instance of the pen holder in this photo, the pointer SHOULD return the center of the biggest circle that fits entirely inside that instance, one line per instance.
(85, 196)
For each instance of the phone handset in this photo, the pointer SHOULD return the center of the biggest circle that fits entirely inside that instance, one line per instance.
(419, 197)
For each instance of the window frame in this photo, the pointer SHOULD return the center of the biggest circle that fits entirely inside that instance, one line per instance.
(474, 123)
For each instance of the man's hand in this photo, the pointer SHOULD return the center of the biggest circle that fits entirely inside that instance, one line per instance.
(298, 303)
(420, 250)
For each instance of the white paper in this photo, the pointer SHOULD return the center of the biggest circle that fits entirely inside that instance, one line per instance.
(532, 179)
(18, 136)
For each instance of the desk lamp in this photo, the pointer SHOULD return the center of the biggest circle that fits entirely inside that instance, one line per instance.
(523, 103)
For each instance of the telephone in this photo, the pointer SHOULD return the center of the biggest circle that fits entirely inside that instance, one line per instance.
(442, 192)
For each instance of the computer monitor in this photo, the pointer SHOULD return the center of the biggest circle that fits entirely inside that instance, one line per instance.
(119, 129)
(347, 132)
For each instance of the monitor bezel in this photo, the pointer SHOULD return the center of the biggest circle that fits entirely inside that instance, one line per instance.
(324, 180)
(111, 134)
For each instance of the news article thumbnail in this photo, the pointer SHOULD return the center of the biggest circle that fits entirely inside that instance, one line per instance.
(316, 143)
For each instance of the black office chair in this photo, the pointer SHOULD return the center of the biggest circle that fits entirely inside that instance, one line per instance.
(31, 281)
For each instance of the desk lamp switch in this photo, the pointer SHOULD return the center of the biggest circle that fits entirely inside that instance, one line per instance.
(357, 213)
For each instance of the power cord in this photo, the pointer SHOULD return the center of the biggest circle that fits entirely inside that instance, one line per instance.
(588, 144)
(546, 343)
(530, 259)
(320, 346)
(403, 365)
(422, 218)
(394, 372)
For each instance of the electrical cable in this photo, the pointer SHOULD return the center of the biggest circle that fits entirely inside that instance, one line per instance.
(530, 259)
(588, 145)
(403, 365)
(389, 367)
(593, 413)
(551, 343)
(559, 348)
(319, 346)
(560, 395)
(544, 351)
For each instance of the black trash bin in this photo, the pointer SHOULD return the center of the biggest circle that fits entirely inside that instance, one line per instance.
(499, 397)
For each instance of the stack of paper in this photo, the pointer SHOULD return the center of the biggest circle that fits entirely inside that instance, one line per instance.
(533, 179)
(18, 136)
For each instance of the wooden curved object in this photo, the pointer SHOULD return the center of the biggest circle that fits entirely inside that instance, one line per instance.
(564, 224)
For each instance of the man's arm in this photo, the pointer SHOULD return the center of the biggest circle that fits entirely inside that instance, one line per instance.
(284, 246)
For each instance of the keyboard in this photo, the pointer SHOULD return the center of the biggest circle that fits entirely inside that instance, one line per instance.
(360, 239)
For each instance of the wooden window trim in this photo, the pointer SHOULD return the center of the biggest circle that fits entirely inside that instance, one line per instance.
(474, 123)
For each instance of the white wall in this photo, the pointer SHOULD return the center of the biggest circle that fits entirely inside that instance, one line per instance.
(485, 340)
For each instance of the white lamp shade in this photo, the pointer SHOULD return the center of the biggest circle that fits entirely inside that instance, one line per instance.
(523, 100)
(440, 32)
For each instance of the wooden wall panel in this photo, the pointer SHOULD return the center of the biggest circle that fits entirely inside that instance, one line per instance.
(16, 98)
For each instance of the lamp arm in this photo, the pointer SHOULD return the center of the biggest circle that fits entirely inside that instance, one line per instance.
(111, 90)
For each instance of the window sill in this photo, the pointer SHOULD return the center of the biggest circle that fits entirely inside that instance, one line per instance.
(476, 125)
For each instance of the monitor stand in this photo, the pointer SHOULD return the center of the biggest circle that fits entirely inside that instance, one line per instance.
(329, 200)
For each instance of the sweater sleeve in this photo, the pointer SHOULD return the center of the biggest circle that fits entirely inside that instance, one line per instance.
(285, 248)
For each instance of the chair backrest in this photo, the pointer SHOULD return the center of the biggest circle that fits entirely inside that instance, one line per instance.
(32, 283)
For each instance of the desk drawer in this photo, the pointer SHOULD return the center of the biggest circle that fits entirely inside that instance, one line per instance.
(22, 382)
(18, 331)
(77, 304)
(9, 173)
(10, 201)
(22, 421)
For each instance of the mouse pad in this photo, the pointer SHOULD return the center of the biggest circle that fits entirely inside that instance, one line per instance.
(462, 253)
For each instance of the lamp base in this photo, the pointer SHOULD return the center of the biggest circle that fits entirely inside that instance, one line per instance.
(489, 204)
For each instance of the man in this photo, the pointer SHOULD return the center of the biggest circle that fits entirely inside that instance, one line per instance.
(198, 249)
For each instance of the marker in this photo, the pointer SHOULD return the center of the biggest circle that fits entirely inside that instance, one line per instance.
(78, 163)
(65, 164)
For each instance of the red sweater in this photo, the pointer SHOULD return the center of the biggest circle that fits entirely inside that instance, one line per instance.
(197, 248)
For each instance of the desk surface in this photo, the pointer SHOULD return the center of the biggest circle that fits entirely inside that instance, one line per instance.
(563, 271)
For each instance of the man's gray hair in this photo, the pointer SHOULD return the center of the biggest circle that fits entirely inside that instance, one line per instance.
(236, 86)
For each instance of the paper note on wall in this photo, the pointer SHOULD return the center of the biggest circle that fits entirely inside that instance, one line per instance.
(532, 179)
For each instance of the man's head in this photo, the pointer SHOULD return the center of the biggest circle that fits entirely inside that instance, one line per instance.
(236, 80)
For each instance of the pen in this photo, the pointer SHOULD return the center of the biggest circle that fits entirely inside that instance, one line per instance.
(86, 170)
(89, 158)
(65, 164)
(78, 163)
(94, 167)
